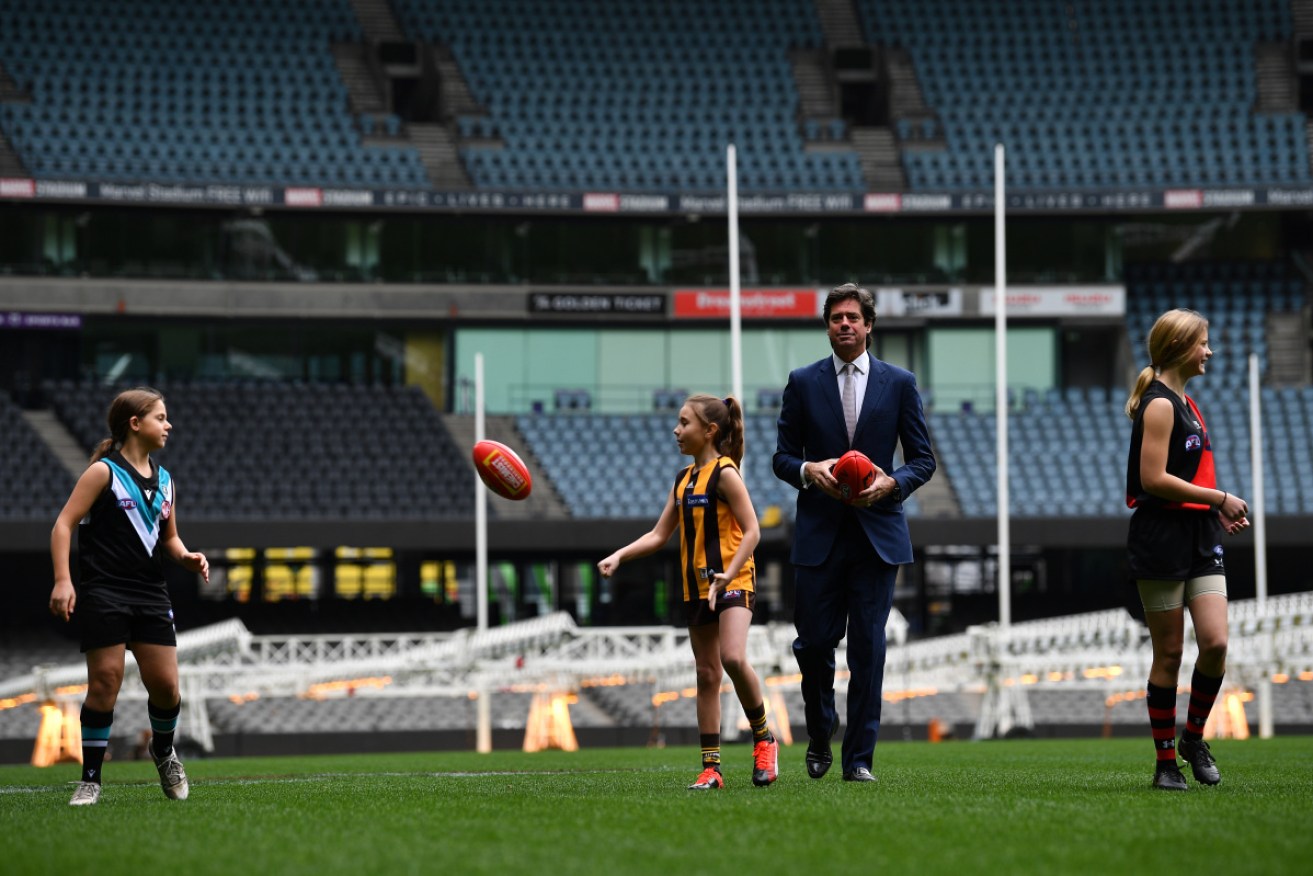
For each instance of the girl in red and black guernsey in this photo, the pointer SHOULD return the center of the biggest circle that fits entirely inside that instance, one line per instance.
(1175, 541)
(710, 506)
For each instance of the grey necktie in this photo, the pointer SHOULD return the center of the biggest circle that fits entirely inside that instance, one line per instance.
(850, 400)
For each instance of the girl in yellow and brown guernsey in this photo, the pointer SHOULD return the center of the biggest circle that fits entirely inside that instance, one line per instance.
(718, 532)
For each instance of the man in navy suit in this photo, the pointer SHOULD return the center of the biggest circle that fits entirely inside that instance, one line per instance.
(846, 557)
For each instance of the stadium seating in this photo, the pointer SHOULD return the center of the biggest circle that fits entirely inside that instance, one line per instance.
(1052, 438)
(32, 480)
(1118, 94)
(645, 442)
(633, 96)
(189, 92)
(296, 451)
(583, 95)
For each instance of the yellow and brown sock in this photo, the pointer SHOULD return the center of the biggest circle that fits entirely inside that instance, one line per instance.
(711, 751)
(757, 719)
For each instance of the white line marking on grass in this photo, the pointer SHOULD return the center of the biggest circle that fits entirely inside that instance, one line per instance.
(320, 777)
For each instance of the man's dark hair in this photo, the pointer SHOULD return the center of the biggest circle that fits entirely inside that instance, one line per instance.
(852, 292)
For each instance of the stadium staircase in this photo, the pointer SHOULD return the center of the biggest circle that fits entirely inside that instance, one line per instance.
(1288, 348)
(839, 23)
(363, 85)
(543, 501)
(438, 153)
(72, 455)
(1275, 81)
(377, 21)
(878, 154)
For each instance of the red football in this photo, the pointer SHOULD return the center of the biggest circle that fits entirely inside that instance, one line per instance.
(854, 472)
(501, 470)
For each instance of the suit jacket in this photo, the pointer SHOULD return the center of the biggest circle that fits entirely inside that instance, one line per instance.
(811, 428)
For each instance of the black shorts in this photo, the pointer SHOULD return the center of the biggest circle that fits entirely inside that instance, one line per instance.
(699, 614)
(1174, 545)
(106, 621)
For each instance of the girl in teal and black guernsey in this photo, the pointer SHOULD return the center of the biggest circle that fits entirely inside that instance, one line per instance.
(1174, 547)
(128, 526)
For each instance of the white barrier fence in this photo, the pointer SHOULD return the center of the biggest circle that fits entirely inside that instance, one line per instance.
(1107, 650)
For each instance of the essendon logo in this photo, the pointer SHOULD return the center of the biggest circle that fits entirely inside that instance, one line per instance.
(1183, 199)
(17, 188)
(313, 197)
(602, 203)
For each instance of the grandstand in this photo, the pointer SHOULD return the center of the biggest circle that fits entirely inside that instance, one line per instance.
(303, 219)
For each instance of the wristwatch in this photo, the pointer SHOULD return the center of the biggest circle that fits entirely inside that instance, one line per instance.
(896, 493)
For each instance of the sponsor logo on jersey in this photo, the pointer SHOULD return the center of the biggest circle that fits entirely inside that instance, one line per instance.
(150, 495)
(696, 501)
(128, 504)
(1193, 442)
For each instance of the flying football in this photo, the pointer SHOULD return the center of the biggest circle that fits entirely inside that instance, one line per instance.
(502, 470)
(854, 472)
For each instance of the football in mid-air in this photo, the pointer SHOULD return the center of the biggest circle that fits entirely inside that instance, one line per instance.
(854, 472)
(502, 470)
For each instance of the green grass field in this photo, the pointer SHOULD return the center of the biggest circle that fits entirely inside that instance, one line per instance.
(1082, 806)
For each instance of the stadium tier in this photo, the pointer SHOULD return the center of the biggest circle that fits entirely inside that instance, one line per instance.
(271, 451)
(580, 95)
(189, 92)
(1091, 94)
(633, 96)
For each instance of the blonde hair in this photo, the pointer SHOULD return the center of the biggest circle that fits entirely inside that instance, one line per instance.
(1171, 341)
(129, 403)
(727, 415)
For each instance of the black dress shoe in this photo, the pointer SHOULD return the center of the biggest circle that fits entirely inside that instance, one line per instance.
(860, 774)
(819, 761)
(819, 755)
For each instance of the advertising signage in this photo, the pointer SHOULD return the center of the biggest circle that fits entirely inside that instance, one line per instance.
(652, 203)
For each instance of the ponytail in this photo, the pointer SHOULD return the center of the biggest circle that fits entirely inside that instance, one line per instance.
(1142, 382)
(103, 449)
(732, 443)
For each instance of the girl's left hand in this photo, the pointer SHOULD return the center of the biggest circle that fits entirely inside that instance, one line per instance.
(718, 583)
(196, 562)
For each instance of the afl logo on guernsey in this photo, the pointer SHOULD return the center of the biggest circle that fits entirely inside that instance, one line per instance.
(127, 504)
(1193, 442)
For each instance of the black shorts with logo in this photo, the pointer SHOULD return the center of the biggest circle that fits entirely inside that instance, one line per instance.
(1174, 545)
(107, 621)
(699, 614)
